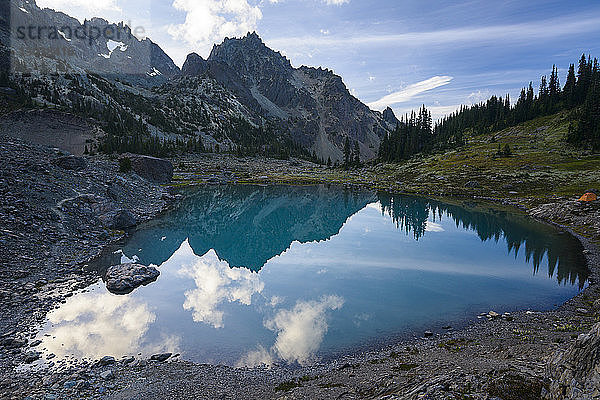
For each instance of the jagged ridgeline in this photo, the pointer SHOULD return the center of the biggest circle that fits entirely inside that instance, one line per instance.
(244, 98)
(563, 252)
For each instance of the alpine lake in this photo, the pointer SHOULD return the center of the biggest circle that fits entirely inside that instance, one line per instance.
(253, 275)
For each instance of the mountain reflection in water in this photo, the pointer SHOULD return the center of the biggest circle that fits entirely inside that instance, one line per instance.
(253, 275)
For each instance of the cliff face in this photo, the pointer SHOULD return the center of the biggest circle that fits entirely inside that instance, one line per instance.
(312, 104)
(575, 373)
(44, 41)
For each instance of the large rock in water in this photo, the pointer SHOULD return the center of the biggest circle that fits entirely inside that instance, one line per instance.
(151, 168)
(123, 278)
(575, 373)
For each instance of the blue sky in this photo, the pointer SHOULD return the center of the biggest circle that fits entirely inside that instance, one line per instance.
(397, 53)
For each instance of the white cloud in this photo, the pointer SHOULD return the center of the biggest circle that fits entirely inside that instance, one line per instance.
(210, 21)
(276, 300)
(255, 358)
(324, 31)
(479, 96)
(81, 8)
(216, 283)
(300, 330)
(336, 2)
(409, 92)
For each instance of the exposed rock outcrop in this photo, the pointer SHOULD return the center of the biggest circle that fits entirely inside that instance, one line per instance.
(118, 219)
(575, 373)
(98, 47)
(124, 278)
(151, 168)
(390, 117)
(194, 65)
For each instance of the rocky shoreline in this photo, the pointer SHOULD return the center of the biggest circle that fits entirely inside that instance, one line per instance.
(56, 212)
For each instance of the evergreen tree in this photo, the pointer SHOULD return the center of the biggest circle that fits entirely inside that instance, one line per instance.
(356, 154)
(569, 89)
(347, 152)
(553, 90)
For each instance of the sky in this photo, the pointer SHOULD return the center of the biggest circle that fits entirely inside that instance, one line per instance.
(393, 53)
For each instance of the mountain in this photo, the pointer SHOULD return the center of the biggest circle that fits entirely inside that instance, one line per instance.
(312, 104)
(45, 41)
(244, 98)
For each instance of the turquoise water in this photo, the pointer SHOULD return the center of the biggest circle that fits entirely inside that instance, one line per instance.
(291, 275)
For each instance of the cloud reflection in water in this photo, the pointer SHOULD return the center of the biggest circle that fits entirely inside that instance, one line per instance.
(93, 325)
(216, 283)
(300, 332)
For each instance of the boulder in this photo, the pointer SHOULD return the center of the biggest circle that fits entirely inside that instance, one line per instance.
(72, 163)
(574, 373)
(472, 185)
(161, 357)
(124, 278)
(118, 219)
(106, 360)
(107, 375)
(31, 357)
(151, 168)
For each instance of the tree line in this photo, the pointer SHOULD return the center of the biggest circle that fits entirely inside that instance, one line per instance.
(580, 94)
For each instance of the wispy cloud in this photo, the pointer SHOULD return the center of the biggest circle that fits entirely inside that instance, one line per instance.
(409, 92)
(513, 33)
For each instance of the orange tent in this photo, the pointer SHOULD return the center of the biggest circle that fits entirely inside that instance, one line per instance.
(588, 197)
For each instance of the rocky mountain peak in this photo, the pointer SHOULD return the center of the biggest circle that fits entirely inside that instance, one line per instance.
(250, 57)
(389, 116)
(194, 65)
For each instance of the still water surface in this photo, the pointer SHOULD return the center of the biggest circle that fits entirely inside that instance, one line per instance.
(253, 275)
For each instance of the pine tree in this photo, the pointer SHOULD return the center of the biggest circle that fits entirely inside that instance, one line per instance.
(569, 89)
(553, 89)
(356, 154)
(347, 152)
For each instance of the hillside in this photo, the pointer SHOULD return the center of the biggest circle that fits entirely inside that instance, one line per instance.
(542, 164)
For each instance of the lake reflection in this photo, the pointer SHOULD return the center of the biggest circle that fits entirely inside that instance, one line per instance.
(253, 275)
